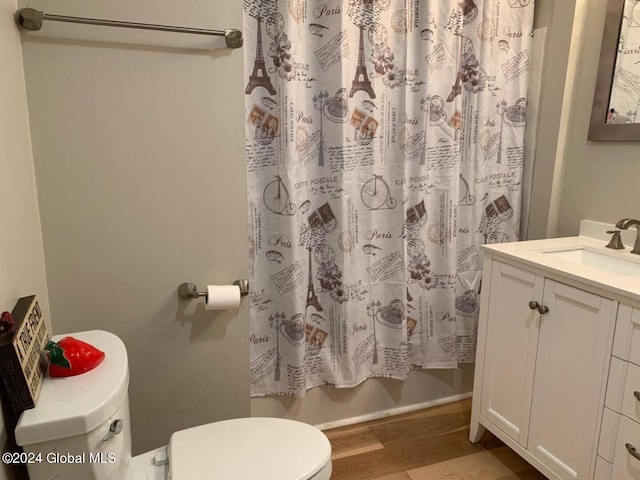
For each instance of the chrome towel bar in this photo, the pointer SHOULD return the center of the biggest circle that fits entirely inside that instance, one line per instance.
(31, 19)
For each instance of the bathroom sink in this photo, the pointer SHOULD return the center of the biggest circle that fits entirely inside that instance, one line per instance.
(594, 259)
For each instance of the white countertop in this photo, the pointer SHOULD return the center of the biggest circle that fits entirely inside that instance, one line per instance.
(533, 253)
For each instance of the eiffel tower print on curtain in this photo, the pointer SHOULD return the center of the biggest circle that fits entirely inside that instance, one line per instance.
(361, 80)
(259, 77)
(312, 298)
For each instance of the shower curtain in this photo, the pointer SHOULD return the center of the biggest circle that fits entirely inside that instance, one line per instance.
(385, 144)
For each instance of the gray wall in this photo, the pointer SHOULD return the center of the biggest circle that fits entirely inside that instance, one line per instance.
(138, 140)
(138, 144)
(21, 253)
(557, 17)
(139, 156)
(324, 405)
(600, 178)
(594, 180)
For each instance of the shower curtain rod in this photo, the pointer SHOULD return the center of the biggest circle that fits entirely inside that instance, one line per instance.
(31, 19)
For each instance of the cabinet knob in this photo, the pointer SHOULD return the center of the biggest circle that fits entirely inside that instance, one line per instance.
(533, 305)
(637, 395)
(632, 451)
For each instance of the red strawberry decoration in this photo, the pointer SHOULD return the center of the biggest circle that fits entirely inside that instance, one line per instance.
(71, 356)
(6, 323)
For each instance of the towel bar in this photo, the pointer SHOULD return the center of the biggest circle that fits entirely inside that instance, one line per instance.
(31, 19)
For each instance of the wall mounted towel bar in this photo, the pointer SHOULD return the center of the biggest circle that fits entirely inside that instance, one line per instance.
(31, 19)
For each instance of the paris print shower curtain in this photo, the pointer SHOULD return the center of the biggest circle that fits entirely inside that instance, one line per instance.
(385, 144)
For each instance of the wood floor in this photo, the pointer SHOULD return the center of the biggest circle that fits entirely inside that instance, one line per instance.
(430, 444)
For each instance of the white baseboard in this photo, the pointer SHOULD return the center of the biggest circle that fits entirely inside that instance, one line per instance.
(393, 411)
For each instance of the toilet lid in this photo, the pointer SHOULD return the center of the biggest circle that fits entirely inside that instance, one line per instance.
(248, 449)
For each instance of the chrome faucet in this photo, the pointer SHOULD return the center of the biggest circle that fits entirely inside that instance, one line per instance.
(624, 224)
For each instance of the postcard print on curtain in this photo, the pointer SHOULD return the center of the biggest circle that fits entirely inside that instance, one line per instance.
(385, 143)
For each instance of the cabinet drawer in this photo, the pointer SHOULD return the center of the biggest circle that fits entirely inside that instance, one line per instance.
(603, 470)
(606, 471)
(623, 389)
(626, 344)
(617, 432)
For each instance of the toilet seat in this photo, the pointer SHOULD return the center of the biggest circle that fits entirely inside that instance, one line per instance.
(248, 449)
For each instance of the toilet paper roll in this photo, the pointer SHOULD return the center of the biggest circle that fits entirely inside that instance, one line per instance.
(222, 297)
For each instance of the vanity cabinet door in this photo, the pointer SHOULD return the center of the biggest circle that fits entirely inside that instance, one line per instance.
(569, 376)
(510, 350)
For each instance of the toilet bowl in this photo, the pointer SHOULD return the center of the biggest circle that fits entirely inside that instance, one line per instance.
(80, 429)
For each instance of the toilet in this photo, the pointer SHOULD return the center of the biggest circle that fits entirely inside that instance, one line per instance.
(80, 429)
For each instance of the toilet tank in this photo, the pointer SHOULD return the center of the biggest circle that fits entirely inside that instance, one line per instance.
(66, 434)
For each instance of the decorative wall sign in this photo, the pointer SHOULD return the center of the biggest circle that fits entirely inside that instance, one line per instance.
(22, 362)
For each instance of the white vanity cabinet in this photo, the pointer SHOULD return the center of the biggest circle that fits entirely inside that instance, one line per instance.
(544, 350)
(619, 447)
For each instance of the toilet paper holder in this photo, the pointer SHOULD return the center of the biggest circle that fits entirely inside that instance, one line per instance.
(190, 290)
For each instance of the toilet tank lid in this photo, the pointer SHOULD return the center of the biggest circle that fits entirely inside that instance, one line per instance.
(76, 405)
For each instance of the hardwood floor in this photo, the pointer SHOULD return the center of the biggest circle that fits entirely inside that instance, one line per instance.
(430, 444)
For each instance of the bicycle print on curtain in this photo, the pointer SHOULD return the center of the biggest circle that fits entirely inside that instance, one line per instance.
(385, 144)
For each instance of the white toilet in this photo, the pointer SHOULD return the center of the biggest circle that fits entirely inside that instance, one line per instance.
(80, 430)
